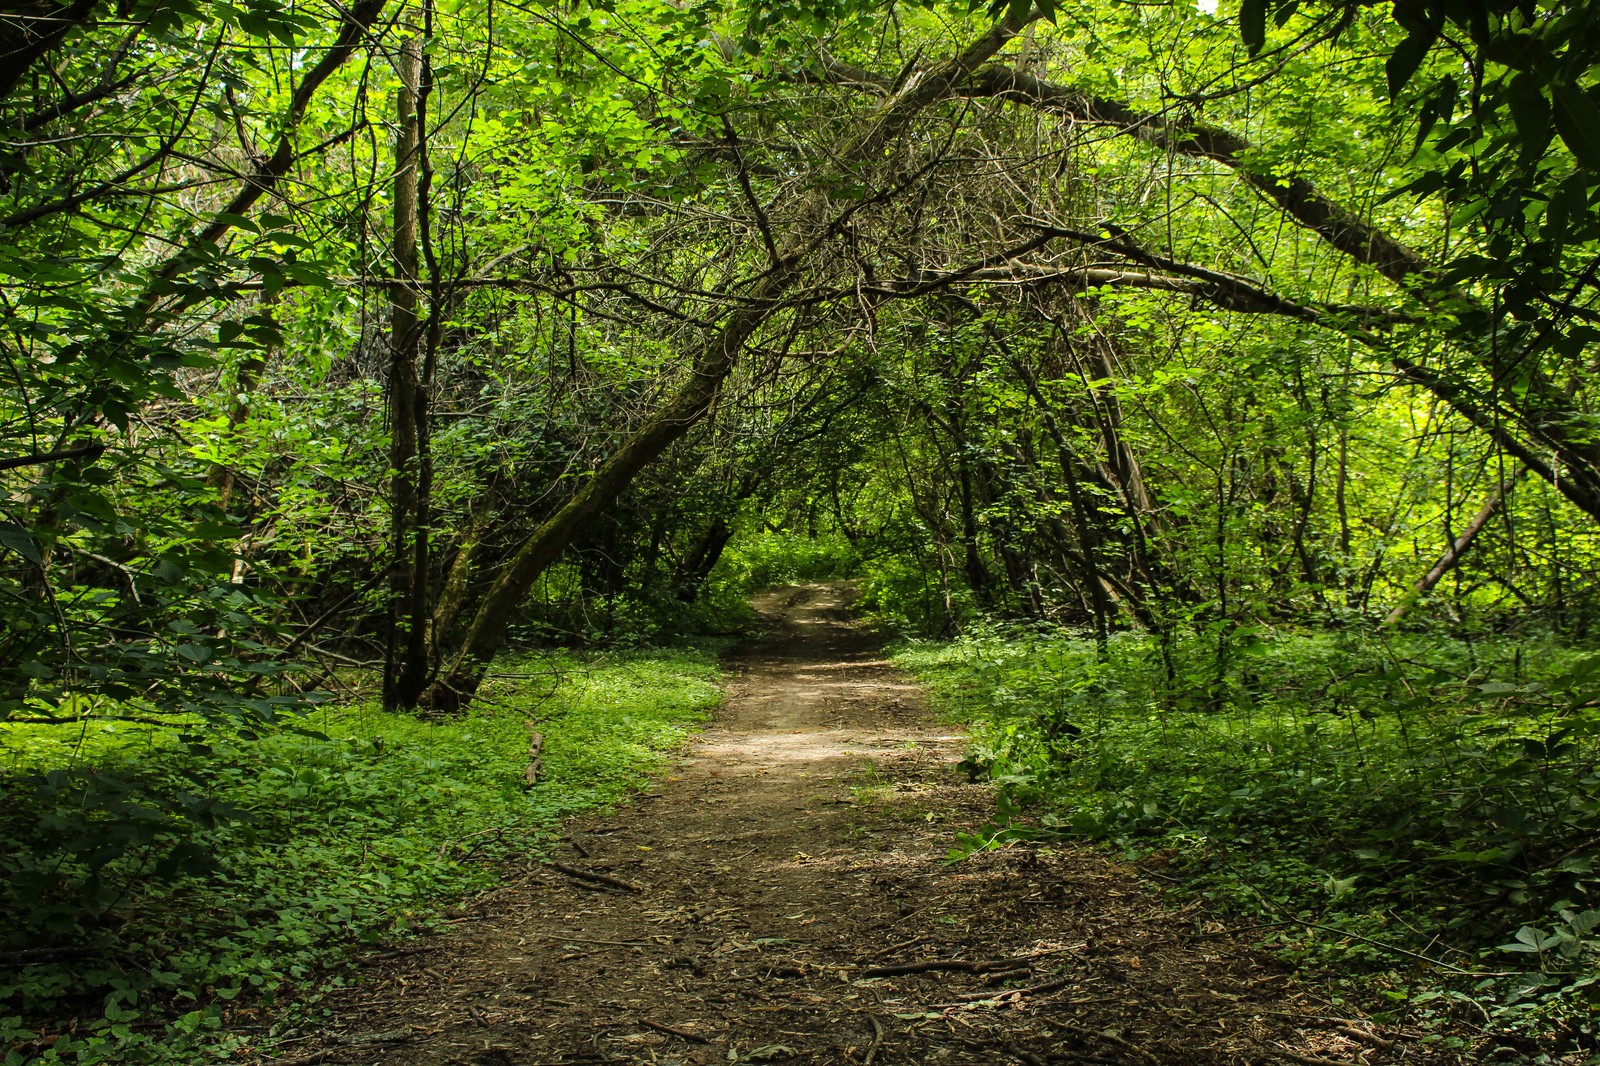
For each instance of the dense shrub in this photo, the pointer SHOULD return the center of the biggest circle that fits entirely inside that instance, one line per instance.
(765, 559)
(1382, 802)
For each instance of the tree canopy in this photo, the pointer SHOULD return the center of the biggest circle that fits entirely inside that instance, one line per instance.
(588, 245)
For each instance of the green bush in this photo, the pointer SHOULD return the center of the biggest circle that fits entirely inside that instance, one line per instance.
(764, 559)
(907, 598)
(246, 866)
(1383, 800)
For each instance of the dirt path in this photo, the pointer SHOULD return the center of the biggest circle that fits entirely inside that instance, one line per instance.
(793, 857)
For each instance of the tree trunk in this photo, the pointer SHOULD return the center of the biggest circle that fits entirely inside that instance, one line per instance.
(702, 559)
(31, 31)
(405, 666)
(452, 596)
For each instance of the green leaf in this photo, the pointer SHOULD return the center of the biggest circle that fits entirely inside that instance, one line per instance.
(1578, 122)
(227, 218)
(21, 541)
(1440, 105)
(1408, 56)
(1583, 923)
(1253, 24)
(1531, 113)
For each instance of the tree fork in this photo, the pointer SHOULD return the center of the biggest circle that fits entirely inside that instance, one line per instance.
(487, 631)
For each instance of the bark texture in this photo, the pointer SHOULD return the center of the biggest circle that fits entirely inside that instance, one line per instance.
(406, 652)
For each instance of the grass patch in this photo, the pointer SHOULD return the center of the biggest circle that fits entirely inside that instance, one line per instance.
(150, 880)
(1387, 801)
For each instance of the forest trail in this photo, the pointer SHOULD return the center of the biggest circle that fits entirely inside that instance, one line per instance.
(793, 856)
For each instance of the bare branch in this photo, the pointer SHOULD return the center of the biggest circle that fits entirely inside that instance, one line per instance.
(80, 451)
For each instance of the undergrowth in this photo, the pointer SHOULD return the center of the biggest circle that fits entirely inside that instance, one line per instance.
(1420, 814)
(763, 559)
(161, 894)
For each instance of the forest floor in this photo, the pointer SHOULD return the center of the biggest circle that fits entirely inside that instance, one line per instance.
(789, 900)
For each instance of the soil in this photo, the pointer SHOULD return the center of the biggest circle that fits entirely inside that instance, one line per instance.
(789, 898)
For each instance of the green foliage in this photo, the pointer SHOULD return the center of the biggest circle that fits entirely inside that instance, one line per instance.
(765, 558)
(1377, 800)
(237, 869)
(115, 580)
(908, 596)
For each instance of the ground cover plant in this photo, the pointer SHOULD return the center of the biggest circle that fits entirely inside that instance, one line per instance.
(1419, 814)
(230, 873)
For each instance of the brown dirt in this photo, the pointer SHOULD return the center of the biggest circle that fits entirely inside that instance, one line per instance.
(801, 842)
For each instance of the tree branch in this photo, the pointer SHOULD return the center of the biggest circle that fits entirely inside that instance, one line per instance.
(269, 171)
(33, 30)
(80, 451)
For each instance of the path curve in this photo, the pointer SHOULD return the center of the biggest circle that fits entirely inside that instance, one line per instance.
(794, 855)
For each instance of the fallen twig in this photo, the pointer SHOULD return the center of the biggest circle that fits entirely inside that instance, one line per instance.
(610, 943)
(1314, 1060)
(1007, 975)
(1022, 1055)
(1346, 1024)
(1380, 944)
(589, 875)
(397, 953)
(693, 1038)
(1407, 953)
(892, 948)
(931, 965)
(1109, 1038)
(877, 1041)
(311, 1058)
(1030, 990)
(1366, 1037)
